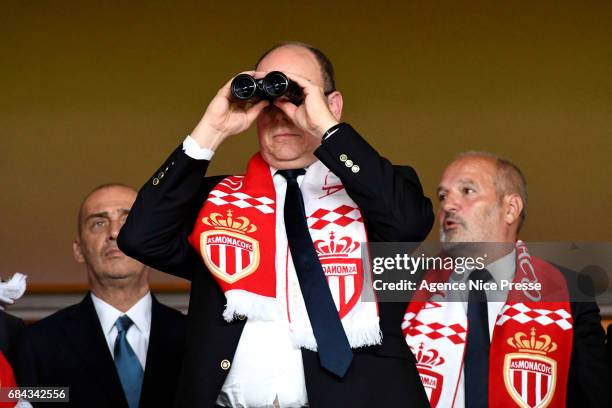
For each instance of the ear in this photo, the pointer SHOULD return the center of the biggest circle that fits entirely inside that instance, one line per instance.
(335, 103)
(513, 208)
(76, 250)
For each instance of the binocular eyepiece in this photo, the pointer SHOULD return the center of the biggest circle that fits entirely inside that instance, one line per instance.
(274, 85)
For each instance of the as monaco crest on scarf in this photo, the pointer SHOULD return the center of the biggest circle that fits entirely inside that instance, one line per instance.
(530, 376)
(344, 274)
(228, 251)
(432, 381)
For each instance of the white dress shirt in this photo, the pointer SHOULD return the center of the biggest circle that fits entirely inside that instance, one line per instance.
(267, 369)
(502, 269)
(138, 333)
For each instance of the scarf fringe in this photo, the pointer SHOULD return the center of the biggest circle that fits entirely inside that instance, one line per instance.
(253, 306)
(358, 334)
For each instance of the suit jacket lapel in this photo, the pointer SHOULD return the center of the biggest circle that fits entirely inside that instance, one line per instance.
(84, 333)
(157, 353)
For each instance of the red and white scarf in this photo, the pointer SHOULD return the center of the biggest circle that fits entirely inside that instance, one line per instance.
(7, 380)
(235, 236)
(530, 348)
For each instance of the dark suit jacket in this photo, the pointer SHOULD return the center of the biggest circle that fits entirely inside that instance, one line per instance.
(589, 380)
(11, 328)
(68, 349)
(394, 208)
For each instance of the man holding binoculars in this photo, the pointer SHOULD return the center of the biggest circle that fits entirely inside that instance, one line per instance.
(277, 316)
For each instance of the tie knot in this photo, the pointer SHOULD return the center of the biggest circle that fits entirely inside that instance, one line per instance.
(480, 275)
(291, 174)
(123, 323)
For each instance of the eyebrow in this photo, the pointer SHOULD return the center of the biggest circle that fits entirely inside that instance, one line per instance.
(105, 214)
(461, 181)
(467, 181)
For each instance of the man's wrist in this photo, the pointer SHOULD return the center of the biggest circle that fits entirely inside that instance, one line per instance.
(331, 130)
(207, 136)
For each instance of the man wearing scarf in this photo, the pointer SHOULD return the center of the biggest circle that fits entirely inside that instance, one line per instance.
(505, 348)
(274, 256)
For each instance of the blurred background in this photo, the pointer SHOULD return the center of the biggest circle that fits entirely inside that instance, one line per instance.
(94, 93)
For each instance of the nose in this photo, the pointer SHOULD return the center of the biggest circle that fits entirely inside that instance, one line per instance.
(115, 227)
(278, 115)
(450, 204)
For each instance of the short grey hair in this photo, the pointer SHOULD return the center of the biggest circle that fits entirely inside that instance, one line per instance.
(509, 179)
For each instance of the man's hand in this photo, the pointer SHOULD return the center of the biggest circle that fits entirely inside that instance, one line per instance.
(314, 115)
(12, 289)
(225, 117)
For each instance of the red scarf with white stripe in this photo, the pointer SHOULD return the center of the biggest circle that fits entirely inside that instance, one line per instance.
(235, 234)
(530, 348)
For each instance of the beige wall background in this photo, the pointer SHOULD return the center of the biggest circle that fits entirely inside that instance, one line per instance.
(92, 93)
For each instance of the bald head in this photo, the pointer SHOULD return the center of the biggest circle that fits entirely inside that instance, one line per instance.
(508, 178)
(325, 66)
(112, 186)
(113, 276)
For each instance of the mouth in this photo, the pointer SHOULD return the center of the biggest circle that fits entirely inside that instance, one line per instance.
(450, 224)
(285, 135)
(113, 253)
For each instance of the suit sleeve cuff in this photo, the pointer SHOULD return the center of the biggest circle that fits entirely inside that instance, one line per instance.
(332, 130)
(193, 150)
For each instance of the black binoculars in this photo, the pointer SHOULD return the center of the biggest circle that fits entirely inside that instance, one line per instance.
(274, 85)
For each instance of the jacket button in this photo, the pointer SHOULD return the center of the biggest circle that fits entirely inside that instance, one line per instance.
(343, 157)
(161, 175)
(225, 364)
(240, 317)
(348, 163)
(155, 181)
(355, 169)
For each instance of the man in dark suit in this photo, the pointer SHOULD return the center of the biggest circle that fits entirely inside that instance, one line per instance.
(119, 347)
(253, 322)
(541, 344)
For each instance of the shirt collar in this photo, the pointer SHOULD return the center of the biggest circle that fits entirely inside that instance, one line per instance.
(273, 171)
(504, 268)
(140, 313)
(279, 180)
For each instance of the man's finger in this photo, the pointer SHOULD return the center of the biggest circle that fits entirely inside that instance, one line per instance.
(301, 81)
(6, 300)
(287, 107)
(256, 109)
